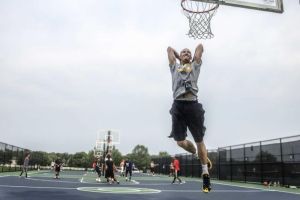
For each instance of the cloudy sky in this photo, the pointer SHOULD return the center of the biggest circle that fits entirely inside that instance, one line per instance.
(69, 68)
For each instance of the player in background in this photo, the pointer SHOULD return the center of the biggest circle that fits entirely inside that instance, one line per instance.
(128, 167)
(110, 168)
(25, 165)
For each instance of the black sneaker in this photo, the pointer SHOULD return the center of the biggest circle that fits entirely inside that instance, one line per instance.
(206, 183)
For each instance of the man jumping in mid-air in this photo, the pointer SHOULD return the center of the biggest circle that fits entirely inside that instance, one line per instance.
(186, 111)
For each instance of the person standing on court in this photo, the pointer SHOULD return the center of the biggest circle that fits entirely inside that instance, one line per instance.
(186, 111)
(128, 166)
(109, 170)
(176, 165)
(152, 167)
(25, 165)
(57, 168)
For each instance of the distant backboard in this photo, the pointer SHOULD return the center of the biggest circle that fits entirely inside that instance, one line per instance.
(111, 136)
(264, 5)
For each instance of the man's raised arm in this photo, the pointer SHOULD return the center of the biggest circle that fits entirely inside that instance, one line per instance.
(198, 53)
(172, 55)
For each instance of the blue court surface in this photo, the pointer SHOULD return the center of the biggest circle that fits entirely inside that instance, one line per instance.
(79, 185)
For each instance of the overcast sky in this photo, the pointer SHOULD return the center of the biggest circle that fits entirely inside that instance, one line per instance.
(69, 68)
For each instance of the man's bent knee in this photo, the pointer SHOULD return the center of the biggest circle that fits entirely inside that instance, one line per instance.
(181, 143)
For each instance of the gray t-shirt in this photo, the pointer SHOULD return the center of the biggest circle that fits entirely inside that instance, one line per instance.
(180, 80)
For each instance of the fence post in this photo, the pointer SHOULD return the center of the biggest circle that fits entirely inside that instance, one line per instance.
(245, 168)
(185, 162)
(219, 163)
(261, 164)
(192, 167)
(282, 164)
(230, 159)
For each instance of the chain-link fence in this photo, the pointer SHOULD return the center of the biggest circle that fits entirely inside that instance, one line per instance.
(11, 157)
(276, 160)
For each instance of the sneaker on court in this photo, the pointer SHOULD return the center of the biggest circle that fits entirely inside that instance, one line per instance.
(206, 183)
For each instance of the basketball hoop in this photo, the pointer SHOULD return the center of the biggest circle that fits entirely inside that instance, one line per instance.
(199, 15)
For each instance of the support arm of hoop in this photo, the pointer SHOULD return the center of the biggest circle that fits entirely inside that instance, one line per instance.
(172, 55)
(198, 53)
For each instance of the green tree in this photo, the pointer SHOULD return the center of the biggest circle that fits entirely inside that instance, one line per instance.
(79, 159)
(117, 156)
(39, 158)
(163, 154)
(90, 157)
(52, 156)
(140, 157)
(266, 157)
(64, 158)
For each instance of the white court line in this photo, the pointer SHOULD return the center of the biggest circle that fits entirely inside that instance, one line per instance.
(78, 182)
(212, 191)
(162, 183)
(256, 188)
(184, 191)
(56, 181)
(135, 182)
(36, 187)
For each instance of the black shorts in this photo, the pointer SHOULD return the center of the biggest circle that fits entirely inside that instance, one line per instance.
(187, 114)
(109, 173)
(128, 171)
(97, 169)
(57, 169)
(151, 169)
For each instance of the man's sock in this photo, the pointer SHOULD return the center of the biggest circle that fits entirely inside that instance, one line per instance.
(204, 169)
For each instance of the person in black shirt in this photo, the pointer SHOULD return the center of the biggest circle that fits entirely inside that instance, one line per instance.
(109, 170)
(128, 167)
(98, 171)
(57, 168)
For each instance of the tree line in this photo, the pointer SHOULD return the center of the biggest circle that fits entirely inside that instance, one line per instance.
(139, 156)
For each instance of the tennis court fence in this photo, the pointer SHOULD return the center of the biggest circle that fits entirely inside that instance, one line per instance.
(276, 161)
(12, 158)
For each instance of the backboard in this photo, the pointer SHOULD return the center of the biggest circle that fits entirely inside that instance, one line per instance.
(200, 12)
(109, 137)
(106, 140)
(264, 5)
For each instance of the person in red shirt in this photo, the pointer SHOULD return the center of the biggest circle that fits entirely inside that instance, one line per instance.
(176, 165)
(94, 165)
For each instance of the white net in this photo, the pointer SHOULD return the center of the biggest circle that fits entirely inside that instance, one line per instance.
(199, 15)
